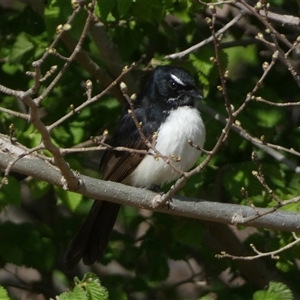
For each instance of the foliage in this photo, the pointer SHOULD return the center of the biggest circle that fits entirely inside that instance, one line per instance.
(151, 255)
(89, 288)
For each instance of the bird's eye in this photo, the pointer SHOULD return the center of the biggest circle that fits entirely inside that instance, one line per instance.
(172, 84)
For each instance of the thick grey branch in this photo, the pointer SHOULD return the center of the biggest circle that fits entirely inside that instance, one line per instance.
(34, 166)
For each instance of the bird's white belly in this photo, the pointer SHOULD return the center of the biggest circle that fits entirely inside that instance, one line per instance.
(182, 124)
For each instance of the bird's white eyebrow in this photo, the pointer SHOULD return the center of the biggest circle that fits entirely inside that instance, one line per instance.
(176, 79)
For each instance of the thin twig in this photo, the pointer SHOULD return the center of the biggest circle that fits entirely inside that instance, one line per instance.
(206, 41)
(272, 254)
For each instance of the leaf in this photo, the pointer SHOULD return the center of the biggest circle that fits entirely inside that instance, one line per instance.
(123, 6)
(275, 291)
(78, 293)
(27, 245)
(281, 290)
(22, 49)
(70, 199)
(158, 268)
(148, 10)
(56, 13)
(105, 7)
(3, 293)
(207, 71)
(265, 295)
(269, 117)
(188, 232)
(89, 288)
(95, 290)
(10, 193)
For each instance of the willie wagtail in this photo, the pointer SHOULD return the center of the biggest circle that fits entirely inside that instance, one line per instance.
(165, 109)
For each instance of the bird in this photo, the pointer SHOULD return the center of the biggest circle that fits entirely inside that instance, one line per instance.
(168, 118)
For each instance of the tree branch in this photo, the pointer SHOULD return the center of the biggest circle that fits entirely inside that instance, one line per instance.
(34, 166)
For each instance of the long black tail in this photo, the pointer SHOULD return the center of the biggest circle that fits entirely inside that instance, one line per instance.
(91, 239)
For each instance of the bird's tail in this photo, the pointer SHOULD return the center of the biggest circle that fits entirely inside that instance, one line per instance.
(91, 239)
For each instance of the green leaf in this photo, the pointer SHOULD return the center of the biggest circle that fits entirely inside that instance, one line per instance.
(275, 291)
(70, 199)
(123, 6)
(56, 13)
(148, 10)
(117, 293)
(281, 290)
(158, 266)
(27, 245)
(78, 293)
(269, 117)
(22, 49)
(3, 293)
(10, 193)
(265, 295)
(188, 232)
(95, 290)
(89, 288)
(105, 7)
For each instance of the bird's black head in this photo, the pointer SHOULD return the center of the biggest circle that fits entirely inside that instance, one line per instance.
(171, 87)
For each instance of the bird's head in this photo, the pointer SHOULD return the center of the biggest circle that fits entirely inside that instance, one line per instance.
(172, 87)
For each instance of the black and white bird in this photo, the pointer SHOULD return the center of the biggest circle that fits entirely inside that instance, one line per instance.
(165, 108)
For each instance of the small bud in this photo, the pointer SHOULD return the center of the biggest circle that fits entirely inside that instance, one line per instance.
(212, 59)
(237, 123)
(255, 173)
(258, 5)
(260, 35)
(59, 28)
(262, 138)
(53, 69)
(123, 87)
(125, 69)
(219, 87)
(265, 66)
(208, 20)
(88, 84)
(226, 74)
(51, 50)
(254, 155)
(105, 132)
(133, 97)
(268, 31)
(74, 3)
(275, 55)
(212, 8)
(72, 106)
(12, 128)
(67, 27)
(31, 74)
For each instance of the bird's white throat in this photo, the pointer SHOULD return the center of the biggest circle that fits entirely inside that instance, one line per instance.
(182, 124)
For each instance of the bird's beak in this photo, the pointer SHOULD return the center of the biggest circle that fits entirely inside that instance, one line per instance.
(194, 93)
